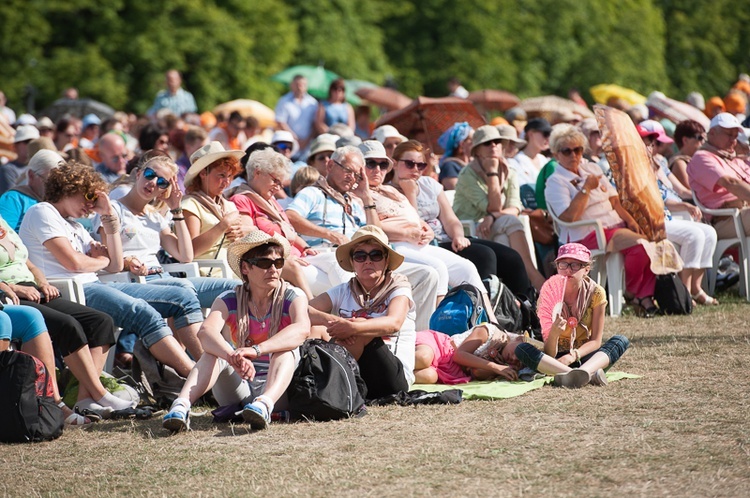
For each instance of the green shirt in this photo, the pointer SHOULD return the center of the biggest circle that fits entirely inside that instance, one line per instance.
(471, 199)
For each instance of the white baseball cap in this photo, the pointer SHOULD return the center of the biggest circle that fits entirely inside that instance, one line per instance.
(25, 133)
(725, 120)
(387, 131)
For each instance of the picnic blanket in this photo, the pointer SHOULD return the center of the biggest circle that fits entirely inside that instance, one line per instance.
(503, 389)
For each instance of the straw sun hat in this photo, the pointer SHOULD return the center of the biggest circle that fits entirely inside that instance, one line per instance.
(256, 238)
(205, 156)
(365, 234)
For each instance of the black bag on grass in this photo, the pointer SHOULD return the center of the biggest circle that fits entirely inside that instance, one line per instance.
(28, 412)
(326, 384)
(672, 296)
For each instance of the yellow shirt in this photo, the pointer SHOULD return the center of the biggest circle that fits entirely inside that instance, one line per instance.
(583, 330)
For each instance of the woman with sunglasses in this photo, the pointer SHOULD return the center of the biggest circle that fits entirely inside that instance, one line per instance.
(399, 219)
(335, 109)
(373, 314)
(689, 136)
(487, 192)
(577, 191)
(60, 247)
(573, 349)
(427, 196)
(251, 337)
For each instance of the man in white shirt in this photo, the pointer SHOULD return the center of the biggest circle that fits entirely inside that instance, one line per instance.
(295, 112)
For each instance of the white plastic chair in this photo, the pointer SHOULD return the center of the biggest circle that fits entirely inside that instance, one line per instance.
(470, 230)
(723, 244)
(608, 268)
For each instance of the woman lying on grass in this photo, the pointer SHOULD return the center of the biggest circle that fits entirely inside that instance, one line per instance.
(573, 350)
(481, 353)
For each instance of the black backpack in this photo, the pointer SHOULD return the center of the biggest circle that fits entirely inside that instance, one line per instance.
(326, 384)
(28, 412)
(672, 296)
(512, 318)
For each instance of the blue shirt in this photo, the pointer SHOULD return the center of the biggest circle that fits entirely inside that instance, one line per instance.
(13, 205)
(298, 115)
(179, 103)
(311, 203)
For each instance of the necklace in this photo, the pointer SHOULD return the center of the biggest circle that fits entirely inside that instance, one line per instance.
(263, 321)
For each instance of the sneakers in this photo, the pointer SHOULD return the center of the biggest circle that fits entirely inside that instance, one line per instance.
(574, 379)
(176, 421)
(256, 414)
(598, 378)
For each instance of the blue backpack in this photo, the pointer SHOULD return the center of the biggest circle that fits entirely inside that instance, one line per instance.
(460, 310)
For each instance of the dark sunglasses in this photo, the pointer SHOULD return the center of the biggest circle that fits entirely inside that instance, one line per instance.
(701, 137)
(91, 196)
(411, 164)
(150, 174)
(383, 165)
(265, 263)
(375, 255)
(493, 143)
(283, 145)
(568, 151)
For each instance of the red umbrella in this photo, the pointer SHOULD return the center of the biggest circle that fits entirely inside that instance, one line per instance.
(381, 96)
(425, 119)
(497, 100)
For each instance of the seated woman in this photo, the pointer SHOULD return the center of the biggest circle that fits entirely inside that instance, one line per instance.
(487, 190)
(576, 191)
(372, 315)
(481, 353)
(335, 109)
(213, 221)
(427, 196)
(407, 232)
(81, 335)
(267, 170)
(456, 143)
(62, 248)
(251, 336)
(573, 349)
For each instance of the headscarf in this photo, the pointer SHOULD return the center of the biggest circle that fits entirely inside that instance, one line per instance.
(452, 137)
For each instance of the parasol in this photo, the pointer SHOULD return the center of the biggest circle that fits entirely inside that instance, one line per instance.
(674, 110)
(318, 78)
(602, 94)
(551, 106)
(495, 100)
(77, 108)
(384, 97)
(246, 107)
(425, 119)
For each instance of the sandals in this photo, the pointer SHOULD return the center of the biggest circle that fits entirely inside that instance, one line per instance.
(705, 300)
(643, 311)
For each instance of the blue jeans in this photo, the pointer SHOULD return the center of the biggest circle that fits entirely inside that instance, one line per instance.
(206, 289)
(614, 348)
(21, 322)
(140, 309)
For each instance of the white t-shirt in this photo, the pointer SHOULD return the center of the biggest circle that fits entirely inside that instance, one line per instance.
(402, 343)
(526, 168)
(140, 234)
(428, 207)
(42, 223)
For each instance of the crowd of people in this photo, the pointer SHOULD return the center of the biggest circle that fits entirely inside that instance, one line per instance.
(337, 231)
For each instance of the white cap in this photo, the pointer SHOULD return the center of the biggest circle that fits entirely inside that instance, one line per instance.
(726, 120)
(282, 136)
(372, 149)
(25, 133)
(45, 160)
(387, 131)
(744, 136)
(25, 119)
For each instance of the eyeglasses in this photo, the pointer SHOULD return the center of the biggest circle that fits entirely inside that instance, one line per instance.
(375, 255)
(265, 263)
(120, 157)
(492, 143)
(163, 141)
(91, 196)
(346, 170)
(275, 180)
(568, 151)
(411, 164)
(161, 182)
(283, 146)
(700, 137)
(383, 165)
(322, 157)
(562, 265)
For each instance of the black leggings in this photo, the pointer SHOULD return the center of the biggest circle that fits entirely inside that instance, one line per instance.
(71, 325)
(382, 372)
(492, 258)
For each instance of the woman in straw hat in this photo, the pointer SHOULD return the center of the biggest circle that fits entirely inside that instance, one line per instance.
(251, 336)
(373, 314)
(213, 221)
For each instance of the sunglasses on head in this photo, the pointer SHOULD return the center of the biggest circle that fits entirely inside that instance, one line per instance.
(375, 255)
(383, 165)
(568, 151)
(265, 263)
(150, 174)
(283, 145)
(412, 164)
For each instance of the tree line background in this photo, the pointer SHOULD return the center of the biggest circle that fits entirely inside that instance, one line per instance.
(117, 51)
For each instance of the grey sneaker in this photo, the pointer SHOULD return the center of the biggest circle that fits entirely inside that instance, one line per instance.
(574, 379)
(598, 378)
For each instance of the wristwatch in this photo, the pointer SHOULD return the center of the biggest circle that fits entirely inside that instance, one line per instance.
(584, 191)
(257, 350)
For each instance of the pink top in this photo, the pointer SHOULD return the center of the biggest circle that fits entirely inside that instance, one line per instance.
(261, 219)
(704, 171)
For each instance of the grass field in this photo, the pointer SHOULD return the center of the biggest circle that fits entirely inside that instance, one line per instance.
(679, 430)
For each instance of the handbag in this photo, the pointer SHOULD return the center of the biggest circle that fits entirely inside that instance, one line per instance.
(542, 229)
(672, 296)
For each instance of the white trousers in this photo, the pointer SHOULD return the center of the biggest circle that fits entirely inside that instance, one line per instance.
(452, 268)
(697, 242)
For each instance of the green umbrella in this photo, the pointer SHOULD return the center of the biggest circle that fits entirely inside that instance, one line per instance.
(318, 78)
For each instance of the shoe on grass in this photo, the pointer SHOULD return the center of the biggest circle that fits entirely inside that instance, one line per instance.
(176, 421)
(574, 379)
(598, 378)
(256, 415)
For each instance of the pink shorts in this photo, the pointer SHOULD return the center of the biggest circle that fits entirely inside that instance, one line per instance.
(448, 371)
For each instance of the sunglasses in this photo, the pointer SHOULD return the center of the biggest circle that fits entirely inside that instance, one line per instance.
(562, 265)
(91, 196)
(265, 263)
(383, 165)
(322, 157)
(411, 164)
(161, 182)
(701, 137)
(375, 255)
(283, 145)
(568, 151)
(492, 143)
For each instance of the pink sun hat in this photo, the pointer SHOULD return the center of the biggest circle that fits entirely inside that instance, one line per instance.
(576, 251)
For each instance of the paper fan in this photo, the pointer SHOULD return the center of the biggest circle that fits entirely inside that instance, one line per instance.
(549, 305)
